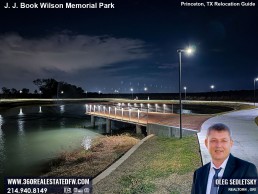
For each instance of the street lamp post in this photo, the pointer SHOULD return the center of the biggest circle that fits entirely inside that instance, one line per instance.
(180, 51)
(256, 79)
(132, 92)
(185, 92)
(146, 89)
(212, 87)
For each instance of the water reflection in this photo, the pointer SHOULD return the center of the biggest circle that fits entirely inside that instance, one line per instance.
(1, 121)
(29, 139)
(62, 108)
(21, 113)
(21, 127)
(185, 111)
(2, 149)
(40, 111)
(21, 142)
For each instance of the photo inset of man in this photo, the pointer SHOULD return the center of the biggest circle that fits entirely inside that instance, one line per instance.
(223, 164)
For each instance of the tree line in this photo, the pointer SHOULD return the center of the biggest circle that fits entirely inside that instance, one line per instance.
(47, 88)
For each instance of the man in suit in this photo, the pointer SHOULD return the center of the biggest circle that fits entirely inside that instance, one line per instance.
(223, 164)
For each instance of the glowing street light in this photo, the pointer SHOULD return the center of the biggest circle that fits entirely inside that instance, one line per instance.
(185, 92)
(212, 87)
(132, 92)
(255, 80)
(116, 92)
(146, 89)
(188, 51)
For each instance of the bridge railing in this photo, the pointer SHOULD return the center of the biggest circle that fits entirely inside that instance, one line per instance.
(133, 112)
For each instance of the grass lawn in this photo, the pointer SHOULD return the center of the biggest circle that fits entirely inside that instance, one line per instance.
(160, 165)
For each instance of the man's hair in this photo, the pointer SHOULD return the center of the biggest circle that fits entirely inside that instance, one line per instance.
(219, 127)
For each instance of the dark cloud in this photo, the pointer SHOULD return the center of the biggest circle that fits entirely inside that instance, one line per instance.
(23, 58)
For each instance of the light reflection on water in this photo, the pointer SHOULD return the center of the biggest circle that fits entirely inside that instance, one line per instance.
(31, 136)
(20, 127)
(185, 111)
(21, 113)
(2, 154)
(62, 108)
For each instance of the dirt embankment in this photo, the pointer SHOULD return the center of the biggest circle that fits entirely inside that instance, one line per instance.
(102, 153)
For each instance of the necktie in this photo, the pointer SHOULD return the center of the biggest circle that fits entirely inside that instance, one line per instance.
(214, 188)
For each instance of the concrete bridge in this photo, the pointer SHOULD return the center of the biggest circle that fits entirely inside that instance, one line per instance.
(150, 118)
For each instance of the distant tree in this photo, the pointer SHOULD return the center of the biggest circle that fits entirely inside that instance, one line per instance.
(25, 91)
(35, 91)
(47, 86)
(38, 82)
(6, 90)
(14, 91)
(53, 88)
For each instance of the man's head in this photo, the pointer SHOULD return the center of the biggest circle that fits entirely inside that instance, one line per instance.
(219, 142)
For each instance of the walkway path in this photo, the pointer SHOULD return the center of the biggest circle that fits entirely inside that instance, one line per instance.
(244, 130)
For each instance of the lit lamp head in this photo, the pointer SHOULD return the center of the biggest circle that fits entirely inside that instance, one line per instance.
(189, 51)
(184, 88)
(256, 79)
(131, 89)
(212, 86)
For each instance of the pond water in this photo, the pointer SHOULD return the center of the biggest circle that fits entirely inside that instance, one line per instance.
(32, 135)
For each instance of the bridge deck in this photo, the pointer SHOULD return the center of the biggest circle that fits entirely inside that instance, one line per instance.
(188, 121)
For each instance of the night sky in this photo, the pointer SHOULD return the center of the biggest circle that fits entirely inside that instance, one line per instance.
(133, 45)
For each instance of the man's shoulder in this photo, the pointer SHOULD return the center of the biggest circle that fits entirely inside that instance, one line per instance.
(240, 168)
(204, 167)
(240, 162)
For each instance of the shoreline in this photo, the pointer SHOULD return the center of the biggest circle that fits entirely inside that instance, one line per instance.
(103, 152)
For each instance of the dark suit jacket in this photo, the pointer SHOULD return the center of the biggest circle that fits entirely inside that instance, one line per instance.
(235, 168)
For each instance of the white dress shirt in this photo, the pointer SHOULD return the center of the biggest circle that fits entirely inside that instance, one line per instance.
(212, 173)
